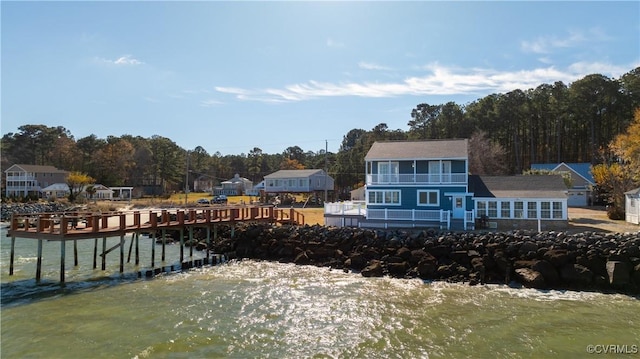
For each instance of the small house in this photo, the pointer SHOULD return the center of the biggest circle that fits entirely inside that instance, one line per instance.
(632, 206)
(580, 194)
(298, 181)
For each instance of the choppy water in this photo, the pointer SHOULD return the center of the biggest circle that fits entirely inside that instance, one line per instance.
(270, 310)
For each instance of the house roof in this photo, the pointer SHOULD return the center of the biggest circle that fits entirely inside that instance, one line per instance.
(294, 173)
(635, 191)
(544, 186)
(390, 150)
(35, 168)
(582, 169)
(56, 187)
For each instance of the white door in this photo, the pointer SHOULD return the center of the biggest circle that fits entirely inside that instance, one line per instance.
(458, 207)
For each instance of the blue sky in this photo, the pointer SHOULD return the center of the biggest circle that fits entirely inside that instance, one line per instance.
(231, 76)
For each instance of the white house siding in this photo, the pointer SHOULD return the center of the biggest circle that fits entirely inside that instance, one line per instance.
(632, 206)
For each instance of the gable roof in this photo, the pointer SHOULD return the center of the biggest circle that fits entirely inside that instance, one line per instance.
(551, 186)
(294, 173)
(581, 169)
(633, 192)
(392, 150)
(35, 169)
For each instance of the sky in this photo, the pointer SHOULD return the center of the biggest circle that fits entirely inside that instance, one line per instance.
(232, 76)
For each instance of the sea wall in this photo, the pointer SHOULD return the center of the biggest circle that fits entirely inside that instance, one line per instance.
(7, 209)
(545, 260)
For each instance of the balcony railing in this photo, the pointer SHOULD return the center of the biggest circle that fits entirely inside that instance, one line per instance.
(417, 178)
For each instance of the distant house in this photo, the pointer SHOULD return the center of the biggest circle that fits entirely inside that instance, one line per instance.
(204, 184)
(234, 187)
(358, 194)
(61, 190)
(24, 180)
(413, 184)
(298, 181)
(632, 206)
(581, 192)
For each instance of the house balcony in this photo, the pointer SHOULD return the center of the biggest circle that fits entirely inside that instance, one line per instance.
(417, 179)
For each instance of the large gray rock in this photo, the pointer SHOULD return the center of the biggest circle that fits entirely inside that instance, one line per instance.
(618, 273)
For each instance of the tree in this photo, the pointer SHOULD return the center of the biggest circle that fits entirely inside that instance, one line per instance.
(627, 147)
(423, 124)
(486, 157)
(612, 181)
(289, 164)
(77, 182)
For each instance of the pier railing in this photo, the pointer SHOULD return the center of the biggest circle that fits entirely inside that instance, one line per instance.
(61, 225)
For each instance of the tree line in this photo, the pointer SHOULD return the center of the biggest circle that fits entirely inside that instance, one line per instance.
(508, 132)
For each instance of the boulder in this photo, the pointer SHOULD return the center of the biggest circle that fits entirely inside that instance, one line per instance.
(530, 278)
(619, 273)
(374, 269)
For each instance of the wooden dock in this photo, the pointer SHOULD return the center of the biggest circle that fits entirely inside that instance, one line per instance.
(73, 226)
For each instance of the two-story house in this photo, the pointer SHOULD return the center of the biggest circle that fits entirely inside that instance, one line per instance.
(298, 181)
(415, 184)
(29, 180)
(419, 181)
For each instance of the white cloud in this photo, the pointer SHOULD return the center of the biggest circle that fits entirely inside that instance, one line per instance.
(439, 80)
(333, 43)
(546, 44)
(210, 103)
(126, 60)
(372, 66)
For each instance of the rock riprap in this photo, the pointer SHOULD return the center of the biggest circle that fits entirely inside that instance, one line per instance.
(544, 260)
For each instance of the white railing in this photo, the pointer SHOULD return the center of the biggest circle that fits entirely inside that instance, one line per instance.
(346, 208)
(418, 178)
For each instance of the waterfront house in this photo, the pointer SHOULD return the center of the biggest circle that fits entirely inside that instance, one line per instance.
(235, 186)
(580, 193)
(61, 190)
(298, 181)
(419, 184)
(28, 180)
(632, 206)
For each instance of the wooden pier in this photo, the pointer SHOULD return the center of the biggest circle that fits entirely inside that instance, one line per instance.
(74, 226)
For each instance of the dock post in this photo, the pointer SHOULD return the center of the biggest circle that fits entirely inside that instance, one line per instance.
(164, 236)
(39, 262)
(95, 253)
(62, 258)
(104, 253)
(181, 244)
(131, 247)
(191, 243)
(208, 241)
(13, 246)
(137, 248)
(122, 252)
(153, 249)
(75, 253)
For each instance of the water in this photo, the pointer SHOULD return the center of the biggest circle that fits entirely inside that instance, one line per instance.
(255, 309)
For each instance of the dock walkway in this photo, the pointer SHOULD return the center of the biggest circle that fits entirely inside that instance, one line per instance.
(73, 226)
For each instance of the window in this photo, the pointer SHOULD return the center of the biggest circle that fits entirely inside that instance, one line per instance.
(428, 198)
(481, 208)
(493, 209)
(388, 171)
(384, 197)
(518, 209)
(545, 209)
(505, 209)
(557, 210)
(532, 210)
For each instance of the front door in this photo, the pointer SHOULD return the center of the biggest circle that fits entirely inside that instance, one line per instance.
(458, 207)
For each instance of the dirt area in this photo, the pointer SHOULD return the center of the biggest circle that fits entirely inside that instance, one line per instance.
(595, 219)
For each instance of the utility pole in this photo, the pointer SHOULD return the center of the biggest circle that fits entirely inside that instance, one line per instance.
(186, 182)
(326, 173)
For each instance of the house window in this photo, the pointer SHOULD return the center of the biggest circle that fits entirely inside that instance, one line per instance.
(532, 209)
(388, 171)
(505, 209)
(481, 208)
(493, 209)
(384, 197)
(557, 210)
(518, 209)
(428, 198)
(545, 209)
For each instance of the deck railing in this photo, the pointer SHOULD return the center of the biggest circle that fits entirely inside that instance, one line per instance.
(417, 178)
